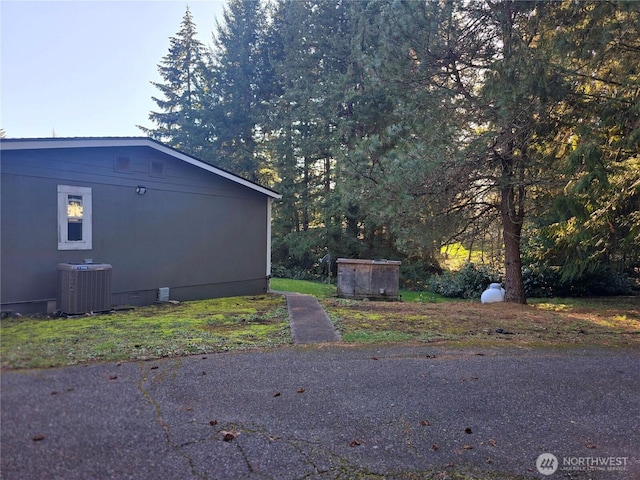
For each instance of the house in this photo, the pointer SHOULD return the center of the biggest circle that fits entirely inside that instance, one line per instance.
(160, 218)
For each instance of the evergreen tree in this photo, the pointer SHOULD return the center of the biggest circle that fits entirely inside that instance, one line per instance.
(399, 131)
(483, 69)
(240, 82)
(309, 58)
(593, 224)
(179, 121)
(394, 126)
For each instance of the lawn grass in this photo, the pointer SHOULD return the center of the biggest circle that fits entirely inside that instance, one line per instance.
(241, 323)
(422, 297)
(319, 290)
(326, 290)
(153, 331)
(610, 322)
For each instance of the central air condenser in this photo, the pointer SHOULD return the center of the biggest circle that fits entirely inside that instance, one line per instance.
(84, 287)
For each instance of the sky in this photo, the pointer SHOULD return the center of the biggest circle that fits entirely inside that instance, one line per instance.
(84, 68)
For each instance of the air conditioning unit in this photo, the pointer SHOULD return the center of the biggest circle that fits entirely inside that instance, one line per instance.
(84, 287)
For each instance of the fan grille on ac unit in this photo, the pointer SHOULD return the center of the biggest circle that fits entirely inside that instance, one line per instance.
(84, 288)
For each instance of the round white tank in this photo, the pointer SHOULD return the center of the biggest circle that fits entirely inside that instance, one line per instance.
(495, 293)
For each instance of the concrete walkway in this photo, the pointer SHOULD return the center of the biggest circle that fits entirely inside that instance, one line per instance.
(309, 322)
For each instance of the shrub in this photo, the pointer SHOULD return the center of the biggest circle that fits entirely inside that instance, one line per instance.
(468, 282)
(540, 281)
(294, 273)
(414, 275)
(546, 281)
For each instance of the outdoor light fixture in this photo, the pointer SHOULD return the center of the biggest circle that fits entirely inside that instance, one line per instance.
(141, 189)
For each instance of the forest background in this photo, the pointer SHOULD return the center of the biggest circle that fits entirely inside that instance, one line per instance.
(402, 129)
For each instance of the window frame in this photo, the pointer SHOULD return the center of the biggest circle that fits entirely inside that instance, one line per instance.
(64, 191)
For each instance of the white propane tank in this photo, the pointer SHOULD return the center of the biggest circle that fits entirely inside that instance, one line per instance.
(495, 293)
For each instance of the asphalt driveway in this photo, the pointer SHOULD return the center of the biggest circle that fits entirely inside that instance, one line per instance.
(330, 411)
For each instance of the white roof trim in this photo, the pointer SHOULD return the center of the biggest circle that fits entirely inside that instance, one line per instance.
(44, 143)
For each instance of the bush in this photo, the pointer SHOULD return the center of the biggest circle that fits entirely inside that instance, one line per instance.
(540, 281)
(468, 282)
(546, 281)
(414, 275)
(280, 271)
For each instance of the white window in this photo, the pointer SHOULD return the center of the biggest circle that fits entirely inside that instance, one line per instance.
(74, 218)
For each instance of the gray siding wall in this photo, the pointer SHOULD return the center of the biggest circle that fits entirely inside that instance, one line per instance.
(193, 231)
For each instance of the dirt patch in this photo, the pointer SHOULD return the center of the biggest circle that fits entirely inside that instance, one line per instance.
(600, 322)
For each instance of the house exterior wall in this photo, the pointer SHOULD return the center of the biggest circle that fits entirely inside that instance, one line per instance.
(199, 234)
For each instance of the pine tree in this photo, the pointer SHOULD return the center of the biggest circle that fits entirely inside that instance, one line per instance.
(240, 82)
(179, 121)
(593, 225)
(310, 60)
(398, 131)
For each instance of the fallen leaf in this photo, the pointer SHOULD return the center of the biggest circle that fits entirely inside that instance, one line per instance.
(425, 423)
(213, 422)
(54, 393)
(155, 367)
(113, 377)
(300, 390)
(492, 442)
(228, 436)
(374, 358)
(468, 447)
(277, 394)
(435, 446)
(354, 443)
(37, 438)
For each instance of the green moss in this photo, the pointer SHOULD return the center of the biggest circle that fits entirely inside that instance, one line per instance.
(146, 332)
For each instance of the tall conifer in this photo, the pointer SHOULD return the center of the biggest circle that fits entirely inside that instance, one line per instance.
(179, 119)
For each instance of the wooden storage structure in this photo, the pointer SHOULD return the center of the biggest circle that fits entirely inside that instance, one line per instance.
(374, 279)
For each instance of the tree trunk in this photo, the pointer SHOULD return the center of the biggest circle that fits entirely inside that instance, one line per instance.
(511, 232)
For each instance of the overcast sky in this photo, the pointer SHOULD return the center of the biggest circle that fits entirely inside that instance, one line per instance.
(83, 68)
